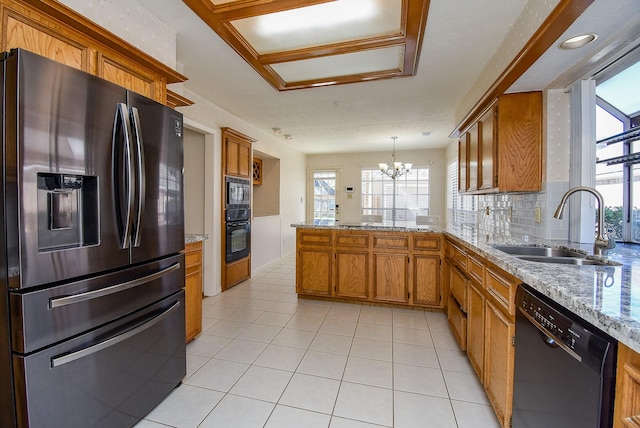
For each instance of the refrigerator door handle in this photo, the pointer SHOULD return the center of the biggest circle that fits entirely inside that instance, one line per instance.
(57, 302)
(140, 177)
(85, 352)
(122, 172)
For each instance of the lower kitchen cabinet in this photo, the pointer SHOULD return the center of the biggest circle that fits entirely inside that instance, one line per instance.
(193, 289)
(397, 268)
(627, 400)
(475, 327)
(499, 361)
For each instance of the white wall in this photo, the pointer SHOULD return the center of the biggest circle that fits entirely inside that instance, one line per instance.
(351, 164)
(194, 183)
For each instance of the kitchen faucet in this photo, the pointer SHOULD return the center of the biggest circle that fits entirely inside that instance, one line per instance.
(602, 243)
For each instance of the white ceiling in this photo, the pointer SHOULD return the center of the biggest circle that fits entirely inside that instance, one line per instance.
(460, 37)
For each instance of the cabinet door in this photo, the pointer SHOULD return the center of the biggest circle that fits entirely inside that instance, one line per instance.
(391, 277)
(313, 271)
(130, 76)
(472, 163)
(488, 179)
(352, 274)
(498, 361)
(475, 327)
(237, 157)
(627, 400)
(458, 323)
(426, 280)
(193, 289)
(463, 158)
(458, 286)
(245, 166)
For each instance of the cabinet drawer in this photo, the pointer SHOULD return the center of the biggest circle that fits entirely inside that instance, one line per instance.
(458, 255)
(475, 269)
(349, 240)
(458, 286)
(392, 241)
(501, 288)
(426, 243)
(458, 322)
(310, 238)
(193, 258)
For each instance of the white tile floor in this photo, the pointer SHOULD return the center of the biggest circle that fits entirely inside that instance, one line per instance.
(268, 359)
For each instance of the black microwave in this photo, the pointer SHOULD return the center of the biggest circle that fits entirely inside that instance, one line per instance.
(238, 192)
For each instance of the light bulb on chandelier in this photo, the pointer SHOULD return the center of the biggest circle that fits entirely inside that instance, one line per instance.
(395, 168)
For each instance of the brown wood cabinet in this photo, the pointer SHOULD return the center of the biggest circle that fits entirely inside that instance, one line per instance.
(373, 266)
(503, 150)
(485, 324)
(193, 289)
(627, 399)
(237, 154)
(50, 29)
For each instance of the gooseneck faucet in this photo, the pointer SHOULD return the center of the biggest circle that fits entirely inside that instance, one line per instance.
(602, 242)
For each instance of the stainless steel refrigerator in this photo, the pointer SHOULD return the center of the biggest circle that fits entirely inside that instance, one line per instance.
(92, 327)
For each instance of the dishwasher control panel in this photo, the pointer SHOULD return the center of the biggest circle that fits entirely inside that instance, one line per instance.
(553, 322)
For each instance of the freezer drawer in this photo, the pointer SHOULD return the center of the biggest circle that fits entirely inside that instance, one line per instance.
(110, 377)
(43, 317)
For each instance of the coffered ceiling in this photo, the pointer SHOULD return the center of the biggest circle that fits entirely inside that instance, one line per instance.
(297, 44)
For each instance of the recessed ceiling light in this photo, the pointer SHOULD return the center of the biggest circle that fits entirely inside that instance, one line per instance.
(426, 133)
(277, 130)
(578, 41)
(288, 137)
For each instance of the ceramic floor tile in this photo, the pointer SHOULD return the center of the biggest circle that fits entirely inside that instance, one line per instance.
(290, 417)
(333, 343)
(454, 360)
(285, 307)
(437, 321)
(244, 315)
(226, 328)
(217, 374)
(472, 415)
(302, 322)
(311, 393)
(186, 406)
(365, 403)
(337, 422)
(273, 319)
(241, 351)
(259, 305)
(217, 312)
(420, 380)
(207, 323)
(374, 331)
(465, 387)
(313, 310)
(259, 333)
(262, 383)
(280, 357)
(346, 312)
(194, 362)
(207, 346)
(415, 355)
(269, 295)
(369, 372)
(145, 423)
(238, 412)
(295, 338)
(341, 327)
(323, 364)
(289, 298)
(412, 336)
(371, 316)
(444, 339)
(420, 411)
(372, 349)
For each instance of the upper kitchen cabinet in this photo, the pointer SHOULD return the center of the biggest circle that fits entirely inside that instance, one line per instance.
(50, 29)
(236, 153)
(504, 147)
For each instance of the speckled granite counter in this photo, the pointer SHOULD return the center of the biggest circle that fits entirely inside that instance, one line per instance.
(190, 238)
(606, 296)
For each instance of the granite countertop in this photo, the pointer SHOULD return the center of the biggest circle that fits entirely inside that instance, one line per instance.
(607, 296)
(398, 226)
(190, 238)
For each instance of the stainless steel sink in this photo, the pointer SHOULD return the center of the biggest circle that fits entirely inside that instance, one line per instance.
(562, 260)
(517, 250)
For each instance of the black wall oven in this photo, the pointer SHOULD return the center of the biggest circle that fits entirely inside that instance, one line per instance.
(238, 230)
(238, 192)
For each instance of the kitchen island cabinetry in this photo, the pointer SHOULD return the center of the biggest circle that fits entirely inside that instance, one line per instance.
(387, 267)
(502, 150)
(54, 31)
(193, 289)
(627, 400)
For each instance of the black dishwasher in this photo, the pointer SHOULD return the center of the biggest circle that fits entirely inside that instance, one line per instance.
(564, 367)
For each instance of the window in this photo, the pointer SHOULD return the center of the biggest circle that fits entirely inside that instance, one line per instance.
(618, 147)
(324, 196)
(401, 199)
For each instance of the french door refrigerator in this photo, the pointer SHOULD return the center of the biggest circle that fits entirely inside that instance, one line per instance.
(92, 327)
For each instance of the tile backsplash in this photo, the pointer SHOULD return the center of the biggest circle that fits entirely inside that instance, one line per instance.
(520, 216)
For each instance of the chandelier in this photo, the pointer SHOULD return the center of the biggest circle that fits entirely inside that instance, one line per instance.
(395, 168)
